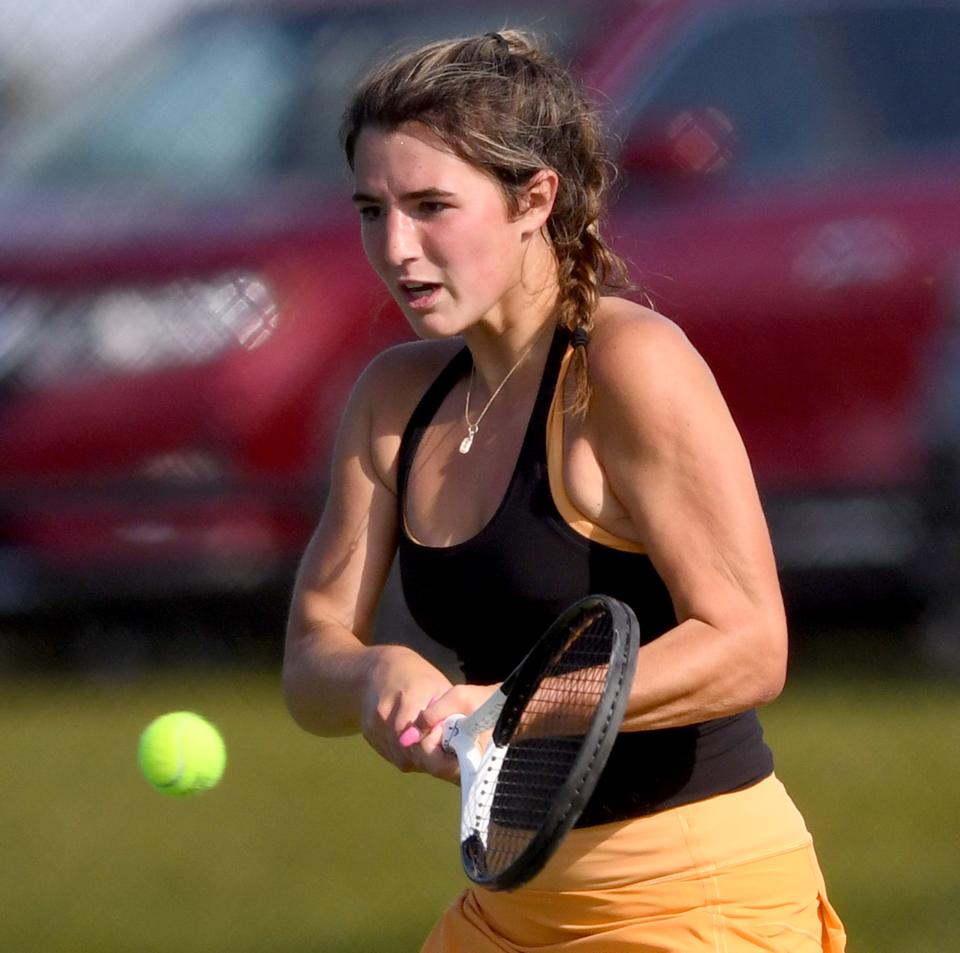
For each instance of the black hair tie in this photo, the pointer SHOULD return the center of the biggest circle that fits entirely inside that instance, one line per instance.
(501, 42)
(580, 337)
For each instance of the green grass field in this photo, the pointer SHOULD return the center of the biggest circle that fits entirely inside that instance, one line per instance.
(315, 845)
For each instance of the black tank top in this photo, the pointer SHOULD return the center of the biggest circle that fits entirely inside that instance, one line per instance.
(526, 566)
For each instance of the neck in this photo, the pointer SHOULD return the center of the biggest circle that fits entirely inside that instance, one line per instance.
(521, 324)
(497, 355)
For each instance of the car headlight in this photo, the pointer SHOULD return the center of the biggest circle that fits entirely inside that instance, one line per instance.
(132, 329)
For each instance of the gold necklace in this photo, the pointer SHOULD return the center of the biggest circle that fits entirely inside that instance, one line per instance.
(472, 428)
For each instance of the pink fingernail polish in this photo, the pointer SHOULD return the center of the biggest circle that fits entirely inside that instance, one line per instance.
(409, 736)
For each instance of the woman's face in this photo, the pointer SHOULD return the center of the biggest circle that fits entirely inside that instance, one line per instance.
(437, 231)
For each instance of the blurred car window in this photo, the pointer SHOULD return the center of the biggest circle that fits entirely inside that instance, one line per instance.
(233, 96)
(907, 63)
(811, 90)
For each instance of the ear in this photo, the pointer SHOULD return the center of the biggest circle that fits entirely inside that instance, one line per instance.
(536, 200)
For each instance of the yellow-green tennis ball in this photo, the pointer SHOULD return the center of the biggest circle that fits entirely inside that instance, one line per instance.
(181, 754)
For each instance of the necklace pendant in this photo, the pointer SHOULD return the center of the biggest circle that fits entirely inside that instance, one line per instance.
(466, 443)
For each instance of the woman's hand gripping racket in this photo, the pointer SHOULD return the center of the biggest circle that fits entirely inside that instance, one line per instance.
(554, 721)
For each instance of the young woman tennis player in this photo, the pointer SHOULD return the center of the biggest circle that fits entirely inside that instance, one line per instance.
(541, 442)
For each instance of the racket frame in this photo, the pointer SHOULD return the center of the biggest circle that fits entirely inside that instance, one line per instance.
(502, 712)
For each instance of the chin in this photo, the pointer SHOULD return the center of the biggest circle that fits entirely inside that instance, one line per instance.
(434, 327)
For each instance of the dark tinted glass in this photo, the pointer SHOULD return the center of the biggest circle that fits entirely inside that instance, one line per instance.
(905, 64)
(812, 90)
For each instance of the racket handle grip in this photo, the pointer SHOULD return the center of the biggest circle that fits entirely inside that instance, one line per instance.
(459, 741)
(451, 729)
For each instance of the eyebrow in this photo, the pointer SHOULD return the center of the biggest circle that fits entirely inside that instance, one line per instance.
(408, 197)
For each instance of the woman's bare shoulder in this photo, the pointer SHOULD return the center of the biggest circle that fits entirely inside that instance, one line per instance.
(632, 344)
(395, 380)
(413, 358)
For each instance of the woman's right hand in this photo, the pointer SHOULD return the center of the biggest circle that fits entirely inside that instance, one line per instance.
(398, 686)
(423, 739)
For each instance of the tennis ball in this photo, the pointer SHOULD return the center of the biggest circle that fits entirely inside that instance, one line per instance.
(181, 754)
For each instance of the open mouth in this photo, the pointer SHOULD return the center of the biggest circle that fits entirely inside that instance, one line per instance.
(420, 294)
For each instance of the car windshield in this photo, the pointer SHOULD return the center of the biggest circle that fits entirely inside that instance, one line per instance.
(234, 97)
(813, 89)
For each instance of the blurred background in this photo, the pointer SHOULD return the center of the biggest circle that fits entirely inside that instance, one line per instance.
(184, 307)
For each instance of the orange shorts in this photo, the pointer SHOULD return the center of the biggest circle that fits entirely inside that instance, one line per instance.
(733, 874)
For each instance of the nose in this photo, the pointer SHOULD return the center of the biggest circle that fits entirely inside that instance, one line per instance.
(401, 242)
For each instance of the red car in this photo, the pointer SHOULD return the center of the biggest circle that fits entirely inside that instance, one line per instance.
(184, 303)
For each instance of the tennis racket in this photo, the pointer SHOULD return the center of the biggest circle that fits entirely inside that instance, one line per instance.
(554, 722)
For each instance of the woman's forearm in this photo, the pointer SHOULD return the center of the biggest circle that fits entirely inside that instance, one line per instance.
(696, 672)
(324, 670)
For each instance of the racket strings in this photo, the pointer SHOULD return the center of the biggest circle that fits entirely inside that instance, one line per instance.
(547, 741)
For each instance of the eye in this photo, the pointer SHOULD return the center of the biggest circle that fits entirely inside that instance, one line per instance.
(431, 207)
(369, 213)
